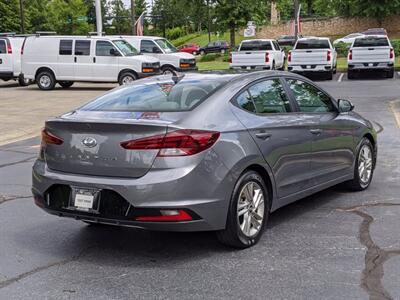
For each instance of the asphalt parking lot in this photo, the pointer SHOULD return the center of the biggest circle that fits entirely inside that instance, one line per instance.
(333, 245)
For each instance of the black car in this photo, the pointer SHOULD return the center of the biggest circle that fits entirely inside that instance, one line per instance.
(287, 40)
(215, 47)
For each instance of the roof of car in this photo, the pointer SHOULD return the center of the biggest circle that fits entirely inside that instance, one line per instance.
(148, 37)
(313, 38)
(259, 40)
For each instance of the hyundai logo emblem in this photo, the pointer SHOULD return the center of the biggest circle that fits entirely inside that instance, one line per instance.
(89, 142)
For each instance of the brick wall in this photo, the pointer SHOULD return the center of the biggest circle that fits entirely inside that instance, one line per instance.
(333, 27)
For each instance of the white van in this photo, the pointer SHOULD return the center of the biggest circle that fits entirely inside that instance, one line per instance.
(10, 58)
(66, 59)
(171, 59)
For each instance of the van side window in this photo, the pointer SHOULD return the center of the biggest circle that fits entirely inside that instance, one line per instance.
(103, 48)
(82, 47)
(65, 47)
(147, 46)
(3, 48)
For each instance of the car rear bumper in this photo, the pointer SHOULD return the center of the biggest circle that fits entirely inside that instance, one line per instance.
(263, 67)
(6, 75)
(383, 66)
(309, 68)
(207, 201)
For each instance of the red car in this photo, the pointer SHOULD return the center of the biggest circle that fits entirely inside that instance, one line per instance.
(190, 48)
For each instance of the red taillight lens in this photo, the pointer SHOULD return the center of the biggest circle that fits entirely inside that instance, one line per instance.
(391, 53)
(168, 216)
(50, 139)
(329, 56)
(290, 56)
(350, 54)
(267, 57)
(9, 48)
(177, 143)
(230, 58)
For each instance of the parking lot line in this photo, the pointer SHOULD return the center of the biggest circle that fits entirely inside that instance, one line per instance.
(341, 77)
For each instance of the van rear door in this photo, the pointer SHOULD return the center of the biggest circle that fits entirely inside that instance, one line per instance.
(6, 70)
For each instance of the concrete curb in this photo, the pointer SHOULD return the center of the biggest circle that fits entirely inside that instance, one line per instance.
(395, 108)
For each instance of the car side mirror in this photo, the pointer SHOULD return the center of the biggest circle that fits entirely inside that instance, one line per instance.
(114, 52)
(345, 106)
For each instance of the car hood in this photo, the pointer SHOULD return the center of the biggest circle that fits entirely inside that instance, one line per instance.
(180, 55)
(144, 58)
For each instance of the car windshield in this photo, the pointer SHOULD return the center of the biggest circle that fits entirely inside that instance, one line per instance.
(371, 42)
(163, 96)
(126, 48)
(313, 44)
(256, 46)
(166, 46)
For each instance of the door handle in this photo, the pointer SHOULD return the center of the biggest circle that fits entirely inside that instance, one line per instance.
(74, 59)
(316, 131)
(94, 59)
(263, 135)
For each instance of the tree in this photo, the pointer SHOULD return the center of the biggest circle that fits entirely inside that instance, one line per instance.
(37, 18)
(9, 16)
(121, 21)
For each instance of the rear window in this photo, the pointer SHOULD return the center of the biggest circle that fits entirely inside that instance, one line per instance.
(256, 46)
(3, 48)
(371, 42)
(156, 97)
(82, 47)
(313, 44)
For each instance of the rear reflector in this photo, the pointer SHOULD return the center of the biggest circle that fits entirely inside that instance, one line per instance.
(167, 216)
(267, 57)
(328, 56)
(9, 48)
(183, 142)
(289, 56)
(350, 54)
(50, 139)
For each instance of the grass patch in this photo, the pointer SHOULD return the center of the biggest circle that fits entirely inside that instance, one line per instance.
(213, 65)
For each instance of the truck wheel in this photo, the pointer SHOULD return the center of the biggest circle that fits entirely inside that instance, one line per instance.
(350, 74)
(335, 69)
(273, 66)
(329, 75)
(23, 81)
(202, 52)
(247, 213)
(45, 80)
(66, 84)
(127, 77)
(390, 74)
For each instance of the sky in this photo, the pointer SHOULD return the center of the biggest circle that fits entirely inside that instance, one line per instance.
(128, 2)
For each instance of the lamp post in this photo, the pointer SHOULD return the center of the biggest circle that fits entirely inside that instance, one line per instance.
(133, 16)
(99, 21)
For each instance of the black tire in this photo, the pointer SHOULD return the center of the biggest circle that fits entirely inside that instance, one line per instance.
(390, 74)
(23, 82)
(45, 80)
(168, 70)
(127, 77)
(194, 53)
(233, 235)
(351, 74)
(357, 184)
(65, 84)
(335, 70)
(273, 66)
(329, 75)
(202, 52)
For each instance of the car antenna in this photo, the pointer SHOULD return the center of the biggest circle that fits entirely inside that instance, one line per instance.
(177, 78)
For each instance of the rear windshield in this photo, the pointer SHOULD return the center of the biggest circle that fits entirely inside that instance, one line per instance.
(161, 96)
(371, 42)
(313, 44)
(256, 46)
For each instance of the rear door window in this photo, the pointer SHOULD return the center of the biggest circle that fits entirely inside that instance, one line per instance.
(371, 42)
(65, 47)
(313, 44)
(244, 101)
(82, 47)
(309, 98)
(270, 97)
(3, 47)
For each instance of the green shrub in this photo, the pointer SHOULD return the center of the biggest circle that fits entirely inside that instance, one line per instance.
(184, 39)
(342, 49)
(210, 57)
(175, 33)
(226, 57)
(396, 46)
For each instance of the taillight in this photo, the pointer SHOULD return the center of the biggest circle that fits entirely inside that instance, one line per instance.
(167, 216)
(230, 57)
(9, 48)
(328, 56)
(350, 54)
(183, 142)
(289, 59)
(391, 53)
(267, 57)
(50, 139)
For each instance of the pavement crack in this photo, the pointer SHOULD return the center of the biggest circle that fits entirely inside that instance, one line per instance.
(4, 199)
(42, 268)
(18, 162)
(375, 257)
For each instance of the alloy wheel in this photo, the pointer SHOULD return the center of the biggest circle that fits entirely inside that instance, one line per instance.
(365, 165)
(250, 209)
(127, 80)
(45, 81)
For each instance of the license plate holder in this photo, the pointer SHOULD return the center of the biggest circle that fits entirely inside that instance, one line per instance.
(85, 199)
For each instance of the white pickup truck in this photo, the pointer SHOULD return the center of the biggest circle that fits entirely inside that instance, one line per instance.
(371, 53)
(313, 55)
(259, 54)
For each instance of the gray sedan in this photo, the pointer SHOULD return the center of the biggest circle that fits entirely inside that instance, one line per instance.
(201, 152)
